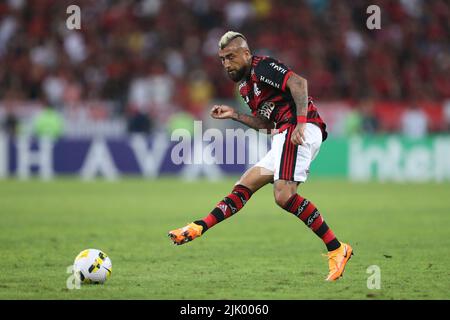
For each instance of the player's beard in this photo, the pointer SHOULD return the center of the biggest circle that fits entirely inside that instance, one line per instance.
(237, 75)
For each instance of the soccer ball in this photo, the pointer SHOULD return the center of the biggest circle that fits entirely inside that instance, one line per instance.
(92, 266)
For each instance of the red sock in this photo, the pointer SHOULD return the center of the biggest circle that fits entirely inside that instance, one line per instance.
(308, 213)
(231, 204)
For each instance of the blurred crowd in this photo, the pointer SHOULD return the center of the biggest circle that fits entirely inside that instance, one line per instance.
(152, 58)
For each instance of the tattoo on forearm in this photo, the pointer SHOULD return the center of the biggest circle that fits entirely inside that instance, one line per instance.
(254, 122)
(299, 92)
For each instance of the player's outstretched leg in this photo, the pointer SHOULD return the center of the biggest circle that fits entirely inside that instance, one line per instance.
(252, 180)
(286, 196)
(231, 204)
(338, 252)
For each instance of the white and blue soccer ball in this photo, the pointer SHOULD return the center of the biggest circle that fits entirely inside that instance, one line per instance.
(92, 266)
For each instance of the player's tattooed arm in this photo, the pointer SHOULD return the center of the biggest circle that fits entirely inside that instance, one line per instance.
(299, 91)
(253, 122)
(226, 112)
(298, 87)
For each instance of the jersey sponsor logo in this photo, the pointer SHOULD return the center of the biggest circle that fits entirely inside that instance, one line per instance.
(278, 68)
(268, 81)
(266, 109)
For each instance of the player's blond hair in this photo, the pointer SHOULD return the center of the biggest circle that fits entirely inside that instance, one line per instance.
(230, 36)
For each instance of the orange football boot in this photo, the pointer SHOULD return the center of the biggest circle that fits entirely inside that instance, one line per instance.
(337, 259)
(186, 234)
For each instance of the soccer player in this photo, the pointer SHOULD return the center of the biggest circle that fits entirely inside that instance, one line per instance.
(278, 98)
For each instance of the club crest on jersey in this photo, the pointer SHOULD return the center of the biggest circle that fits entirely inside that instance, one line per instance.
(266, 109)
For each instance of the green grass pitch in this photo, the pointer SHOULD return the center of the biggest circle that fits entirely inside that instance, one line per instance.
(260, 253)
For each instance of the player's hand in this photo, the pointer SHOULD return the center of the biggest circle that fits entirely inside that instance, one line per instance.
(222, 112)
(298, 135)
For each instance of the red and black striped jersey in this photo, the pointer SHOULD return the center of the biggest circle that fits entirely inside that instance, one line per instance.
(265, 92)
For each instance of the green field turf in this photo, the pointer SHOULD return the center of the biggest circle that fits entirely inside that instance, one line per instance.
(260, 253)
